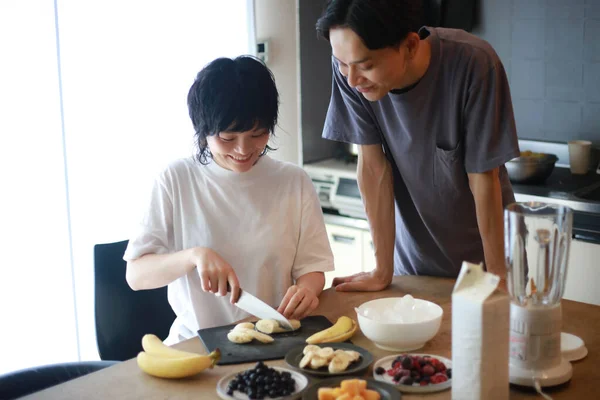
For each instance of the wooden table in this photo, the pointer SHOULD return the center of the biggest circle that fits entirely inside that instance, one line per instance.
(126, 381)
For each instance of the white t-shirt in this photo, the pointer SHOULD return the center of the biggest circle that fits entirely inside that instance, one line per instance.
(266, 223)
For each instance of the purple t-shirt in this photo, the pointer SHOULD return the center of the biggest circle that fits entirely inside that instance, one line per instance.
(458, 119)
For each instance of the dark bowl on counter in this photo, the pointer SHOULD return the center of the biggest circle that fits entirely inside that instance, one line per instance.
(532, 168)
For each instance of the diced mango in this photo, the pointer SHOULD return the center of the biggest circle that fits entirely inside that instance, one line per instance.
(362, 385)
(369, 394)
(345, 396)
(350, 386)
(327, 393)
(358, 397)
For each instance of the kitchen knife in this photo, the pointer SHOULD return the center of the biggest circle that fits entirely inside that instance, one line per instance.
(260, 309)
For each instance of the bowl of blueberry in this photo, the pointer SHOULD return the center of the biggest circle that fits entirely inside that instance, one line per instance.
(263, 382)
(415, 373)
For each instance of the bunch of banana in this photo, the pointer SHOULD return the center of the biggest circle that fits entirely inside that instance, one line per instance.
(162, 361)
(342, 330)
(245, 333)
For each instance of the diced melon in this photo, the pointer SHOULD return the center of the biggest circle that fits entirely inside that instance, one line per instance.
(358, 397)
(327, 393)
(369, 394)
(351, 386)
(345, 396)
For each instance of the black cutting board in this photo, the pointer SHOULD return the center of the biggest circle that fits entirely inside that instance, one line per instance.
(233, 353)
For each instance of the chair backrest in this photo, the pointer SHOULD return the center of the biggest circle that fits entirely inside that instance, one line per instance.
(26, 381)
(123, 315)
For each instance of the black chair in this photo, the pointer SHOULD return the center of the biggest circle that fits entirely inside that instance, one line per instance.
(26, 381)
(123, 315)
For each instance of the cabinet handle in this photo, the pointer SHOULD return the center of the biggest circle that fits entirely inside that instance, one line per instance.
(343, 239)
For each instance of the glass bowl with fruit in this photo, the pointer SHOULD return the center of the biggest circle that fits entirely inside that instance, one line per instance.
(399, 323)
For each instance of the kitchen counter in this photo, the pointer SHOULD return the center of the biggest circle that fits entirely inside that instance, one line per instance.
(127, 381)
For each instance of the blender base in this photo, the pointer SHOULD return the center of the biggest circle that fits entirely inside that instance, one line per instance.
(546, 377)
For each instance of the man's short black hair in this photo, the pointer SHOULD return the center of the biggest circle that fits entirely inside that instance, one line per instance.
(233, 95)
(379, 23)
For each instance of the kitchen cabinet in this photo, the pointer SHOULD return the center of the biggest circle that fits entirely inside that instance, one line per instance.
(346, 245)
(583, 274)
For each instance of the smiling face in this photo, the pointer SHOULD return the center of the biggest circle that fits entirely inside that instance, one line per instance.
(372, 72)
(238, 151)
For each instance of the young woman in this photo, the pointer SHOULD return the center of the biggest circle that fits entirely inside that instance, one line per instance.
(231, 216)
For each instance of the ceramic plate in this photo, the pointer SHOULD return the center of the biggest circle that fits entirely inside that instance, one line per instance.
(386, 363)
(301, 385)
(387, 391)
(293, 357)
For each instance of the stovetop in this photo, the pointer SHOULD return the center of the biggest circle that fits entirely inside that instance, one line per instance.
(560, 182)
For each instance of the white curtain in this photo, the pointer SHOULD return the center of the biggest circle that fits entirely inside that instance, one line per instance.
(92, 106)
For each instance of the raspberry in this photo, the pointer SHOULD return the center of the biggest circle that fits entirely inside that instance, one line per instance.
(440, 367)
(423, 383)
(439, 378)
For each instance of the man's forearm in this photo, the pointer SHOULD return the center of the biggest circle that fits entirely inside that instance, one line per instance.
(376, 187)
(487, 194)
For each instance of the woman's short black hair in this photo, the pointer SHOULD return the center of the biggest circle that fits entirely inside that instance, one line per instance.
(379, 23)
(233, 95)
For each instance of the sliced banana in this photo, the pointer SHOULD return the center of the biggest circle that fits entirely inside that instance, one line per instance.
(244, 325)
(326, 353)
(238, 336)
(272, 326)
(311, 348)
(306, 359)
(354, 354)
(344, 355)
(338, 364)
(317, 362)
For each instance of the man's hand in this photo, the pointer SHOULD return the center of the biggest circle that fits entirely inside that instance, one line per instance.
(362, 282)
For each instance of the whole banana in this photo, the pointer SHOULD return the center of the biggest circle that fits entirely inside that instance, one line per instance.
(342, 330)
(179, 367)
(163, 361)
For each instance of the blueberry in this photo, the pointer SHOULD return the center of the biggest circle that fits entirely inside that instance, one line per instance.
(230, 392)
(379, 370)
(449, 373)
(407, 362)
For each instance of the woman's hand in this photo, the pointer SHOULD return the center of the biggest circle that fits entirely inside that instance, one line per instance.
(298, 302)
(215, 273)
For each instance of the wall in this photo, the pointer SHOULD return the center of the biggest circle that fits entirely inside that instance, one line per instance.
(551, 52)
(276, 20)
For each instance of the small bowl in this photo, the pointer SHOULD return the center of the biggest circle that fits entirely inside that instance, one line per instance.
(395, 335)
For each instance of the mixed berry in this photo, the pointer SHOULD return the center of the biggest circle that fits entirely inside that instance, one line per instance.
(262, 382)
(416, 370)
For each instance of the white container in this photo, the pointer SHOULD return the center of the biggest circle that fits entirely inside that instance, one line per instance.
(480, 336)
(394, 335)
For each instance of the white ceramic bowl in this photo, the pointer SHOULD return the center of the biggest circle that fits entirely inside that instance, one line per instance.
(393, 335)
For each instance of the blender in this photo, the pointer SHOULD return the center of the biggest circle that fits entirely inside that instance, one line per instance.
(537, 241)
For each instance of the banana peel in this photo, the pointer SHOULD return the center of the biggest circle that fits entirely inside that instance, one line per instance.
(342, 330)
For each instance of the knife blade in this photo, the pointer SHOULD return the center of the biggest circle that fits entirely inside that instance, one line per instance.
(260, 309)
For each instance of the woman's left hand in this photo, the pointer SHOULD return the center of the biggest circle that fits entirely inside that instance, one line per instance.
(298, 302)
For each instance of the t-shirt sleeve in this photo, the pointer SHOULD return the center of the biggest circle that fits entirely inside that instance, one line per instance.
(313, 253)
(491, 134)
(348, 120)
(153, 234)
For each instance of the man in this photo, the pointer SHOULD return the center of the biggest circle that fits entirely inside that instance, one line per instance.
(431, 111)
